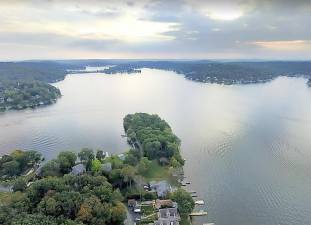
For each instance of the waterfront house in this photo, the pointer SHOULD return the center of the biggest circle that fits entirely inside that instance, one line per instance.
(167, 216)
(162, 188)
(78, 170)
(107, 167)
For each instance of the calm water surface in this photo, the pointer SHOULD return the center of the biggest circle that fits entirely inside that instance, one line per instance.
(247, 148)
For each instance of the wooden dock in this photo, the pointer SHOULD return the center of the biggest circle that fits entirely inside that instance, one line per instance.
(200, 213)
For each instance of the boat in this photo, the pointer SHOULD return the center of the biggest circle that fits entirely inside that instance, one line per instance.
(194, 196)
(188, 182)
(199, 202)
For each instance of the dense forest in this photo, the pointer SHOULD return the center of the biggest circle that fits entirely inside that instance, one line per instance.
(154, 136)
(222, 72)
(22, 94)
(62, 198)
(25, 84)
(88, 188)
(18, 162)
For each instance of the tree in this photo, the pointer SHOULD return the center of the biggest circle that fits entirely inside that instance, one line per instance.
(51, 168)
(184, 201)
(30, 219)
(132, 158)
(86, 156)
(66, 161)
(143, 165)
(11, 168)
(100, 155)
(118, 213)
(93, 211)
(128, 173)
(19, 185)
(96, 166)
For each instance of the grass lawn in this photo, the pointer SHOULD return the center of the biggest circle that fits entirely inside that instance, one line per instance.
(157, 172)
(8, 197)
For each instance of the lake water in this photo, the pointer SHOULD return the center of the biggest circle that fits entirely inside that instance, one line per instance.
(247, 147)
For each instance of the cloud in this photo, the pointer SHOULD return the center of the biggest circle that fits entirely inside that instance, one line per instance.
(294, 45)
(154, 28)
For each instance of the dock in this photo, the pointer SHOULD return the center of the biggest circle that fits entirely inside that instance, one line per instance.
(200, 213)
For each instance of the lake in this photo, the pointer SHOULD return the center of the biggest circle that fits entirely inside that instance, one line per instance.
(247, 147)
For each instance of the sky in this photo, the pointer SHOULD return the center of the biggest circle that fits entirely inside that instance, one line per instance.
(155, 29)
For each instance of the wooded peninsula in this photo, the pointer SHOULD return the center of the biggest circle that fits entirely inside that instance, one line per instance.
(97, 188)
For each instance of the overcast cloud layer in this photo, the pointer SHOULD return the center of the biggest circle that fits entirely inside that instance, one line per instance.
(245, 29)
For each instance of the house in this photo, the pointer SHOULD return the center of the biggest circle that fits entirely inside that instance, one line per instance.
(167, 216)
(167, 203)
(121, 157)
(107, 167)
(78, 170)
(168, 213)
(162, 188)
(166, 222)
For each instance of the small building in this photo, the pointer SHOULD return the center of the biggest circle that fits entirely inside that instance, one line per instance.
(162, 188)
(121, 157)
(168, 213)
(166, 222)
(167, 216)
(78, 170)
(107, 167)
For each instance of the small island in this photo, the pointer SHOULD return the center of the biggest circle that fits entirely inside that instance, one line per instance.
(88, 188)
(21, 94)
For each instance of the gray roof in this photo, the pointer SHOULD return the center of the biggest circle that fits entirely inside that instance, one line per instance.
(168, 213)
(166, 222)
(107, 167)
(78, 169)
(162, 187)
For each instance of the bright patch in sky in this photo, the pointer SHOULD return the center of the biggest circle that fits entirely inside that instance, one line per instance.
(225, 15)
(285, 45)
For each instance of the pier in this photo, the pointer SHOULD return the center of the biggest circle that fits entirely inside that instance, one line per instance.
(199, 213)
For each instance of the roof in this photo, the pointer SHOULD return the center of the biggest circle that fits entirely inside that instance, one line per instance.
(162, 187)
(78, 169)
(168, 213)
(167, 203)
(166, 222)
(107, 167)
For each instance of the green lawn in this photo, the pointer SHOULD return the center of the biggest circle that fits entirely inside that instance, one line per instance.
(157, 172)
(8, 197)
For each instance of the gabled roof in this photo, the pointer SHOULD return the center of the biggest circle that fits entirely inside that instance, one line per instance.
(78, 169)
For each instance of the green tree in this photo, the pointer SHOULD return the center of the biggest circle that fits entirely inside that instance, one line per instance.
(128, 173)
(184, 200)
(144, 165)
(86, 156)
(19, 185)
(11, 168)
(66, 161)
(31, 219)
(118, 213)
(51, 168)
(100, 155)
(96, 165)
